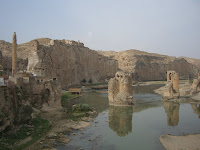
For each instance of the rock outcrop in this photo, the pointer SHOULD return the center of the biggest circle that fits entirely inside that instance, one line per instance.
(120, 90)
(18, 100)
(13, 109)
(69, 61)
(149, 66)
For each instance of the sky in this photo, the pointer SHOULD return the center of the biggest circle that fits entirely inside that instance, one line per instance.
(169, 27)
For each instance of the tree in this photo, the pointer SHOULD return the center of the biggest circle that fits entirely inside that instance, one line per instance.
(84, 81)
(90, 81)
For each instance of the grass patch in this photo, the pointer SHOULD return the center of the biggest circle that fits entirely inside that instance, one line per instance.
(75, 117)
(81, 108)
(95, 84)
(78, 111)
(65, 96)
(36, 129)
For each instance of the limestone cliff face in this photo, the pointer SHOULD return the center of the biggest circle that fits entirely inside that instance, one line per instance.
(193, 61)
(69, 61)
(148, 66)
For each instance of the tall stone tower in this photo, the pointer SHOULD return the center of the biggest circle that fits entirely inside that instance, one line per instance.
(14, 55)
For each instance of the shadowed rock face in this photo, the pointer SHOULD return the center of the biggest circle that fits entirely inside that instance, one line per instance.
(149, 66)
(120, 90)
(13, 109)
(172, 112)
(69, 61)
(120, 119)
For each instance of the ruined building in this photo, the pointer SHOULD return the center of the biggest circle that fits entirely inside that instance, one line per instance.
(38, 89)
(120, 89)
(22, 91)
(172, 86)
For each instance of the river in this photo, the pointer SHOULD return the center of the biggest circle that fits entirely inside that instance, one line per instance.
(133, 127)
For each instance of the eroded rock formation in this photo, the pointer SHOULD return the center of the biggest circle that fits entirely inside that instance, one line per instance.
(13, 109)
(150, 66)
(172, 86)
(70, 61)
(120, 89)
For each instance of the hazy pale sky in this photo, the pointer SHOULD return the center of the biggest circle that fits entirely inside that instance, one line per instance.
(170, 27)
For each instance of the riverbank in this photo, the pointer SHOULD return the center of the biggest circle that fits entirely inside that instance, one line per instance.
(61, 125)
(48, 127)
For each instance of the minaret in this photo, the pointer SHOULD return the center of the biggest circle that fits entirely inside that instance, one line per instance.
(14, 55)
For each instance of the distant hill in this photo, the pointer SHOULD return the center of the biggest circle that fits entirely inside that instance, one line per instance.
(72, 62)
(151, 66)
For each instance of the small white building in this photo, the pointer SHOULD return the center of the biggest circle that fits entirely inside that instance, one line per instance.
(3, 81)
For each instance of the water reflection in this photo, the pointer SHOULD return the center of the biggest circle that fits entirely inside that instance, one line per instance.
(172, 112)
(196, 109)
(120, 119)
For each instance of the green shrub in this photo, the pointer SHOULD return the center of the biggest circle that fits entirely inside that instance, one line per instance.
(64, 97)
(84, 81)
(81, 108)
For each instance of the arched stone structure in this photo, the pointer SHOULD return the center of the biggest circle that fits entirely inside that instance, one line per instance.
(172, 85)
(120, 89)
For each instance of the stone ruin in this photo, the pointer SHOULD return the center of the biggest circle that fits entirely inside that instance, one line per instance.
(195, 86)
(172, 86)
(120, 89)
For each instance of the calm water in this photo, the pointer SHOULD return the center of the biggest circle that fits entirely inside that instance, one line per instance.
(137, 127)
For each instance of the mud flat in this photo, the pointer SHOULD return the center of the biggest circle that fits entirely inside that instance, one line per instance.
(186, 142)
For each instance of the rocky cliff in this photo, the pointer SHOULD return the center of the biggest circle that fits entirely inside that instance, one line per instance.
(70, 61)
(13, 109)
(149, 66)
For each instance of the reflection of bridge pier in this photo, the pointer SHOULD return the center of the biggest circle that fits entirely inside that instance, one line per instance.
(172, 111)
(196, 109)
(120, 119)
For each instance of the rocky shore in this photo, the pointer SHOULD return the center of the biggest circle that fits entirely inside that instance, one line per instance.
(61, 126)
